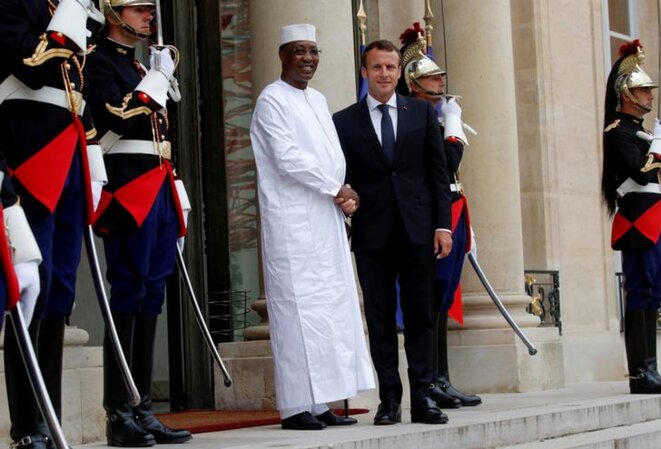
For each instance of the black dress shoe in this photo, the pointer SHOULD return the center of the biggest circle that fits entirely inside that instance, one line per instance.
(467, 400)
(302, 421)
(389, 412)
(331, 419)
(442, 399)
(425, 411)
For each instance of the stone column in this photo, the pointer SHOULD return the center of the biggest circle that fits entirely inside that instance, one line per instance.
(480, 67)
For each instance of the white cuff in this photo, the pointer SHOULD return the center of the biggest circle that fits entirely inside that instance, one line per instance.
(70, 19)
(22, 244)
(183, 196)
(655, 147)
(454, 128)
(96, 165)
(156, 85)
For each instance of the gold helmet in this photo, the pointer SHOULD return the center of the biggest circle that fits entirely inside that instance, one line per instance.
(110, 6)
(418, 65)
(120, 3)
(627, 74)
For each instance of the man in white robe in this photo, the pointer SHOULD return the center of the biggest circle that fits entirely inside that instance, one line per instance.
(317, 334)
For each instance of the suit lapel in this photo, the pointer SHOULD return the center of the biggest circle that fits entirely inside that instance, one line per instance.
(370, 134)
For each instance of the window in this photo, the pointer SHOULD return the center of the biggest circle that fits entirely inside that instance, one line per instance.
(619, 27)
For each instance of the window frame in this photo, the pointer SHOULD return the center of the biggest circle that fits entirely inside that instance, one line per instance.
(608, 33)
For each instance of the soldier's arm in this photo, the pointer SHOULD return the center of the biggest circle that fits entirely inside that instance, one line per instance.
(629, 156)
(34, 56)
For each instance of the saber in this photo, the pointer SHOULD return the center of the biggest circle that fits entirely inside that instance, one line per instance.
(159, 24)
(35, 377)
(107, 318)
(200, 318)
(499, 304)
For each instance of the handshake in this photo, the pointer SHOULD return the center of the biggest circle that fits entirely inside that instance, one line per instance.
(348, 200)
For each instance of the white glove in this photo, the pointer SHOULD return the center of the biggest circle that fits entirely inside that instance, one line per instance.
(97, 188)
(161, 60)
(185, 208)
(450, 107)
(655, 147)
(28, 284)
(453, 126)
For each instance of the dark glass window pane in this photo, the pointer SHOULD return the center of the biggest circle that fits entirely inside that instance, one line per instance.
(618, 16)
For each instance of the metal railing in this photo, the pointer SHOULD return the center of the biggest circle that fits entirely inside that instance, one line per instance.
(545, 294)
(228, 312)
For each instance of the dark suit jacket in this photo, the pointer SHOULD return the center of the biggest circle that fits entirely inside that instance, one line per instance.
(417, 182)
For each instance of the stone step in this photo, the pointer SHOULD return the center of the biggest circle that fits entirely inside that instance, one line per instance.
(645, 435)
(511, 420)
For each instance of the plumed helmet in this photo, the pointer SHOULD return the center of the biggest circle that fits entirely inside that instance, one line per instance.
(625, 75)
(415, 63)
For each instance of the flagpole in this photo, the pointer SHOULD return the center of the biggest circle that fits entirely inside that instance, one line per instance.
(428, 17)
(362, 23)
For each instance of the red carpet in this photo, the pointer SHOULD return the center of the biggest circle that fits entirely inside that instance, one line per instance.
(213, 420)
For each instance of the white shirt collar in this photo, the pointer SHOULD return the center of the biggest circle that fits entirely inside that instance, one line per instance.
(372, 103)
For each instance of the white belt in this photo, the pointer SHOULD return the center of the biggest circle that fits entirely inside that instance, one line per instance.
(129, 146)
(456, 187)
(630, 186)
(14, 89)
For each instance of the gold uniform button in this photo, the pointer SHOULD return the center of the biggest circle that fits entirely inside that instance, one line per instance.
(67, 66)
(72, 85)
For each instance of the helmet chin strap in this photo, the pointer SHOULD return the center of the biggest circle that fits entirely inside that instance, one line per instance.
(129, 29)
(634, 100)
(431, 93)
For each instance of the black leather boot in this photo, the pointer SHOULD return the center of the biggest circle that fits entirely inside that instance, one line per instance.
(442, 379)
(51, 353)
(642, 379)
(142, 369)
(163, 434)
(651, 318)
(121, 427)
(25, 429)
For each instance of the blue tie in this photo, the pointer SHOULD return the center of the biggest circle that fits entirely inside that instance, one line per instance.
(387, 133)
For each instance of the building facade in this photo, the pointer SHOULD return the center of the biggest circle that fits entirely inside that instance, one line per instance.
(532, 75)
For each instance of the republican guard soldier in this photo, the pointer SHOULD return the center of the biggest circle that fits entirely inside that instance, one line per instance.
(630, 184)
(424, 79)
(140, 215)
(45, 128)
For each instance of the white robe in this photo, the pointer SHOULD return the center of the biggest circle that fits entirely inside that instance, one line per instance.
(316, 329)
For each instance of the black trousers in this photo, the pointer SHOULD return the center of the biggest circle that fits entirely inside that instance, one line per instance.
(378, 271)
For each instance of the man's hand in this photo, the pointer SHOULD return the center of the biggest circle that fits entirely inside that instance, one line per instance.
(442, 243)
(28, 283)
(450, 107)
(161, 59)
(347, 199)
(655, 147)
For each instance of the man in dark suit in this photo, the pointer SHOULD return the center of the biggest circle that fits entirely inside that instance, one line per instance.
(396, 163)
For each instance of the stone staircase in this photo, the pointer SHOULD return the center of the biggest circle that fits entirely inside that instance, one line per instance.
(590, 416)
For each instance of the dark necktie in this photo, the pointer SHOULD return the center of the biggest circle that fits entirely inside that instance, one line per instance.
(387, 133)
